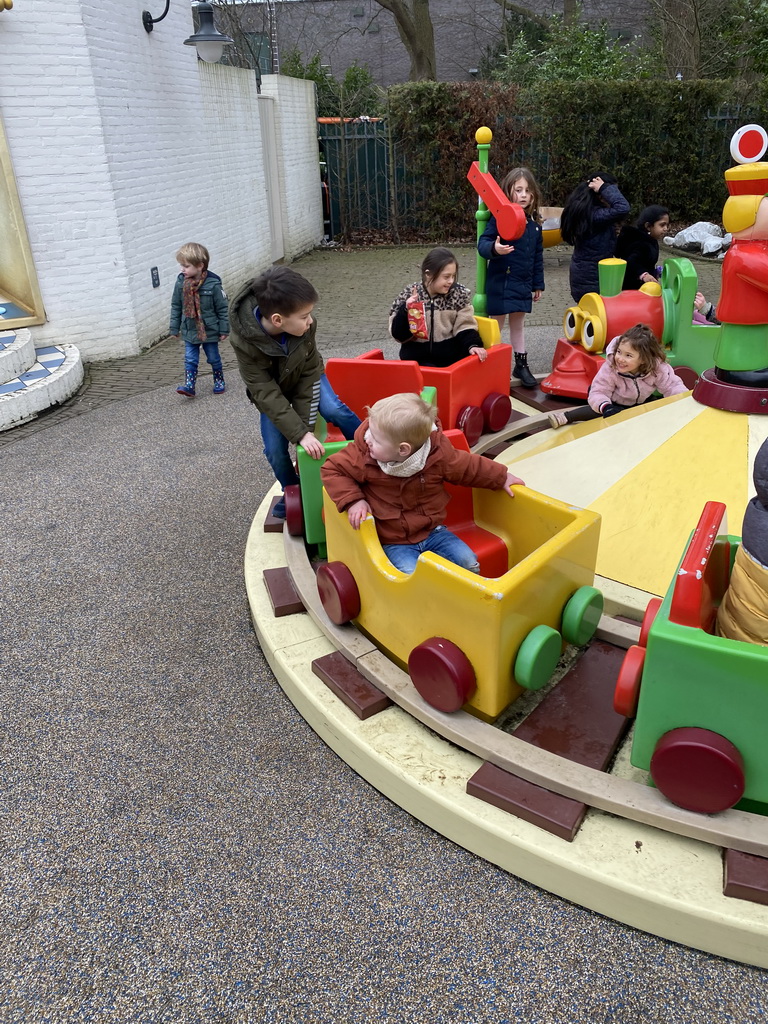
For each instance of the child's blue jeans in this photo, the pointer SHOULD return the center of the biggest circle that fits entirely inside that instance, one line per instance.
(442, 542)
(331, 409)
(192, 355)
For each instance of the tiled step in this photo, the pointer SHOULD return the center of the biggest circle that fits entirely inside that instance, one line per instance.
(17, 353)
(56, 374)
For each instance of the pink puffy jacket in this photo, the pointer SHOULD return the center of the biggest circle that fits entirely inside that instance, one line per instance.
(610, 386)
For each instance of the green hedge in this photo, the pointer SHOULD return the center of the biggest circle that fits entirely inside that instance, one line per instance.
(666, 142)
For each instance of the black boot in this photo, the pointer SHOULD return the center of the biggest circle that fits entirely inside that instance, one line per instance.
(522, 372)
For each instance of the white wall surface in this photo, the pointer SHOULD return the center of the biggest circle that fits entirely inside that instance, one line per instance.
(298, 161)
(125, 147)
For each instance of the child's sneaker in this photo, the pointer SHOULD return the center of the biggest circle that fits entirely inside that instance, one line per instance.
(278, 512)
(557, 419)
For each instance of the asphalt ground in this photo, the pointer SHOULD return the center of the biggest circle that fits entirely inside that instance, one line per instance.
(177, 844)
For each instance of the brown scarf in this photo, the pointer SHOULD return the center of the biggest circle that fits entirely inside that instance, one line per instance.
(191, 303)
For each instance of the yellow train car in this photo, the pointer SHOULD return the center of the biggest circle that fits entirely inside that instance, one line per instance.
(473, 641)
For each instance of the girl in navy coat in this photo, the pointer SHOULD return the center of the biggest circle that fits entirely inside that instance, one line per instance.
(515, 272)
(590, 217)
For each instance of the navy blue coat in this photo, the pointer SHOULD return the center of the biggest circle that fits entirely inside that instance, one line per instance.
(599, 244)
(511, 279)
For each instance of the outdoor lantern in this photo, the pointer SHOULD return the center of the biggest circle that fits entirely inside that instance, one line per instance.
(209, 41)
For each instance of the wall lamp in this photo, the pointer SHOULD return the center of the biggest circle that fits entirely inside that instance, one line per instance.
(209, 41)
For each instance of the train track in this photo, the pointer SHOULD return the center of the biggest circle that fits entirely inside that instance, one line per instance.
(733, 829)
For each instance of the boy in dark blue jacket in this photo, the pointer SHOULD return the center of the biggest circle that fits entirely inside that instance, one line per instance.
(199, 310)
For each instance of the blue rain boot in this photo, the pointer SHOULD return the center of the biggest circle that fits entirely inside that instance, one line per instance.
(188, 387)
(219, 387)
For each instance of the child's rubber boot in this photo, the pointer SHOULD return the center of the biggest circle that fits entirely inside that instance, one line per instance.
(522, 372)
(188, 387)
(219, 387)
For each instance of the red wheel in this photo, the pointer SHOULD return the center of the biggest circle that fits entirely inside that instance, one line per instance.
(650, 614)
(627, 691)
(496, 410)
(698, 770)
(470, 420)
(338, 592)
(442, 673)
(294, 510)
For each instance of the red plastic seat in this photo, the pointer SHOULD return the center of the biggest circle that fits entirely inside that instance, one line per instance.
(704, 572)
(491, 550)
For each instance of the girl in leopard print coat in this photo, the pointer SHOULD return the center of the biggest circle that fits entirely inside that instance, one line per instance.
(433, 319)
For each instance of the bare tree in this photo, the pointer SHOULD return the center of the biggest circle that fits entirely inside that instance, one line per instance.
(686, 30)
(414, 26)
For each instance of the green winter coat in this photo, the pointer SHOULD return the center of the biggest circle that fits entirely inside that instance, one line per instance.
(280, 380)
(213, 310)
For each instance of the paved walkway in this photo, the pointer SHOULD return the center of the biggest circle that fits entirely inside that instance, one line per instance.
(177, 844)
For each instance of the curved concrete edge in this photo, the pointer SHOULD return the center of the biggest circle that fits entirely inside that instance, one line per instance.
(660, 883)
(20, 406)
(18, 356)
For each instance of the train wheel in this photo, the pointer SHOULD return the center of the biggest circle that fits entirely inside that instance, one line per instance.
(581, 615)
(627, 692)
(338, 592)
(537, 657)
(496, 410)
(698, 770)
(294, 510)
(442, 673)
(470, 420)
(650, 614)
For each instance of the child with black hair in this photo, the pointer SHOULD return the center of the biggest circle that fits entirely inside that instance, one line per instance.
(273, 335)
(588, 223)
(638, 244)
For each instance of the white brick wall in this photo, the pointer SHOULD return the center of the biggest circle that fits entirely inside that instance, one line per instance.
(125, 147)
(298, 161)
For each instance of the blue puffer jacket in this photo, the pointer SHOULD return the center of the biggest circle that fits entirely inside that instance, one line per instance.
(599, 244)
(213, 309)
(512, 278)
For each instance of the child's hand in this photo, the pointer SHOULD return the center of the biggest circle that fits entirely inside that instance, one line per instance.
(510, 481)
(312, 446)
(595, 184)
(502, 249)
(479, 351)
(537, 295)
(699, 301)
(358, 512)
(647, 278)
(223, 337)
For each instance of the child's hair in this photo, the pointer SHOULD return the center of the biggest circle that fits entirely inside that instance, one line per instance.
(281, 290)
(404, 418)
(576, 218)
(194, 255)
(508, 185)
(435, 262)
(650, 215)
(646, 344)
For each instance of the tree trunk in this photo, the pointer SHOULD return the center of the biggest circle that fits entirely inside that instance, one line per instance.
(414, 26)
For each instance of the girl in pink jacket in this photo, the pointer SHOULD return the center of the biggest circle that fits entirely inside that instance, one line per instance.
(635, 367)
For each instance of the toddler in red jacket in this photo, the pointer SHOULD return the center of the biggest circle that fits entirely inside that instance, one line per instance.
(395, 470)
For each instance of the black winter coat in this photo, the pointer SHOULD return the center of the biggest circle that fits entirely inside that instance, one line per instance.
(640, 251)
(599, 244)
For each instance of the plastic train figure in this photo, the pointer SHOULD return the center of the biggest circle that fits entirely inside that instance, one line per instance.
(700, 700)
(507, 627)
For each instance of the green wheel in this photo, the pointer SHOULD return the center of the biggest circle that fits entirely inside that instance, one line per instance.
(581, 615)
(538, 655)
